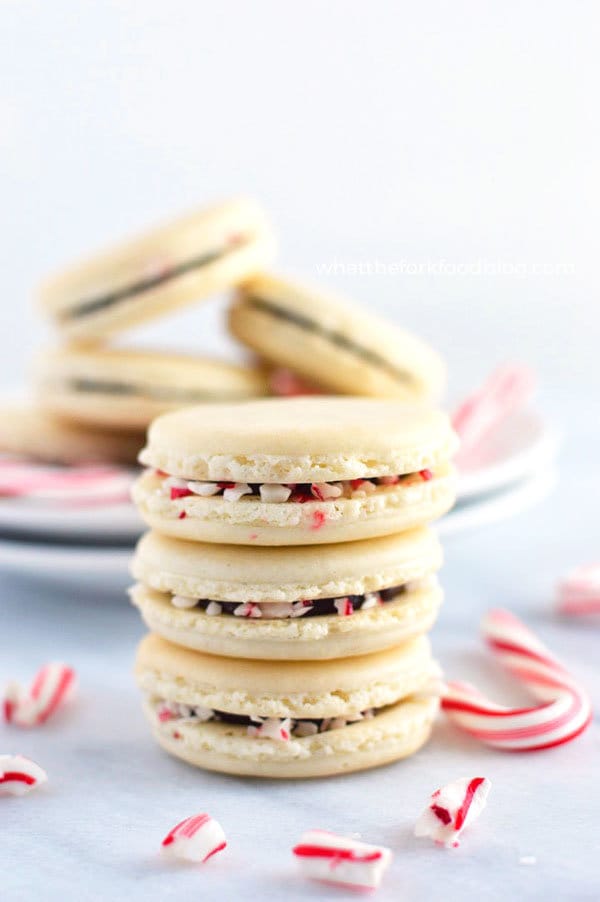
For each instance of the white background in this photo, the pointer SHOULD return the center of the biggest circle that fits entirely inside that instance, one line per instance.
(389, 131)
(381, 131)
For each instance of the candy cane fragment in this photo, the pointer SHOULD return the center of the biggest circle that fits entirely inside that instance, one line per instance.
(579, 591)
(453, 808)
(508, 388)
(338, 859)
(52, 687)
(564, 710)
(19, 775)
(196, 839)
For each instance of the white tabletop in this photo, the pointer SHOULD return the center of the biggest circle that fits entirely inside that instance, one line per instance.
(93, 833)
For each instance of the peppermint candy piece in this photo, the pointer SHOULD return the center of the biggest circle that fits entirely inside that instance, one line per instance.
(507, 389)
(453, 808)
(272, 728)
(196, 839)
(272, 493)
(183, 601)
(237, 491)
(19, 775)
(579, 591)
(339, 859)
(563, 710)
(52, 687)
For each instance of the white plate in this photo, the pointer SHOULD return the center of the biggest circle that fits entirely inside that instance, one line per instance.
(522, 445)
(112, 522)
(107, 566)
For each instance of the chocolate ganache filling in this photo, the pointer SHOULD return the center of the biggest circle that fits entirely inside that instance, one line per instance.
(315, 607)
(337, 338)
(103, 301)
(164, 393)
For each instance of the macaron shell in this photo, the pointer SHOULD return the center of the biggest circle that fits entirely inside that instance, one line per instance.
(29, 432)
(249, 521)
(128, 389)
(396, 733)
(317, 439)
(164, 248)
(411, 614)
(333, 342)
(241, 573)
(331, 688)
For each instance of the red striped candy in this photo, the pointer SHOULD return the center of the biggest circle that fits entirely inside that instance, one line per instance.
(564, 709)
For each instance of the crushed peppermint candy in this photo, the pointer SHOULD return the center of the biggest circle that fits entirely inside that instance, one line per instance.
(280, 610)
(196, 839)
(19, 775)
(453, 808)
(279, 493)
(274, 728)
(341, 859)
(52, 687)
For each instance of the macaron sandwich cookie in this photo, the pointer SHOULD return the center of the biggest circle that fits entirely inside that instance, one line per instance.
(314, 603)
(329, 341)
(127, 389)
(30, 433)
(185, 261)
(298, 471)
(288, 719)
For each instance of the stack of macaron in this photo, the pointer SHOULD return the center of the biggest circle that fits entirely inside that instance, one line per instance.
(93, 400)
(289, 579)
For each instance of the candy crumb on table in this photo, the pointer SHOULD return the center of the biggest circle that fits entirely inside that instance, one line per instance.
(19, 775)
(52, 687)
(452, 808)
(331, 858)
(196, 839)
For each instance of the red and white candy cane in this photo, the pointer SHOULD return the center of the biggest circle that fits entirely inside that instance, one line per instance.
(564, 710)
(19, 775)
(579, 592)
(72, 485)
(508, 388)
(196, 838)
(52, 687)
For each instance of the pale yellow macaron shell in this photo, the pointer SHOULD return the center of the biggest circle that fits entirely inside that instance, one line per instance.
(299, 440)
(29, 432)
(334, 343)
(302, 689)
(404, 681)
(239, 573)
(144, 260)
(127, 389)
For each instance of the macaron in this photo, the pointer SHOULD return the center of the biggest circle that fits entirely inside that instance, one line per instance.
(184, 261)
(296, 471)
(318, 602)
(127, 389)
(288, 719)
(31, 433)
(332, 342)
